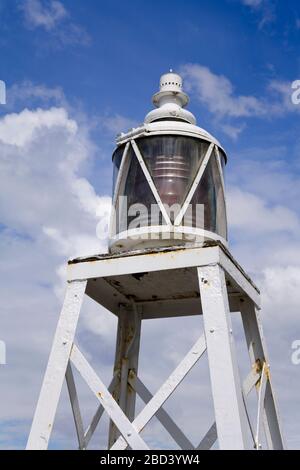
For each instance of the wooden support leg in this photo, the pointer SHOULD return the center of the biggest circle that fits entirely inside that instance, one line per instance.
(126, 360)
(257, 352)
(231, 420)
(57, 366)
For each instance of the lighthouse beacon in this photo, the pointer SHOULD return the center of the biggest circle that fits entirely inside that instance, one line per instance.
(168, 178)
(168, 257)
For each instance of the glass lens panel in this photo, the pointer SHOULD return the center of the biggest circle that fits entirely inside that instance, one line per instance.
(209, 194)
(136, 205)
(173, 162)
(223, 160)
(221, 220)
(117, 158)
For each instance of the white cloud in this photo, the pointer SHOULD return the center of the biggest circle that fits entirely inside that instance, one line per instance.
(27, 91)
(53, 17)
(42, 152)
(229, 109)
(216, 92)
(233, 131)
(282, 89)
(265, 8)
(252, 3)
(255, 216)
(50, 210)
(263, 209)
(117, 123)
(265, 173)
(20, 129)
(47, 15)
(282, 283)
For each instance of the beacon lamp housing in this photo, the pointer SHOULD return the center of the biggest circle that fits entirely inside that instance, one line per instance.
(168, 181)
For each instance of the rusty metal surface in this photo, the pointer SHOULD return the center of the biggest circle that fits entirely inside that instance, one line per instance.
(150, 251)
(172, 292)
(147, 287)
(145, 251)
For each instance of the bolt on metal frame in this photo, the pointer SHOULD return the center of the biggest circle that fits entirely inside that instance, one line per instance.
(124, 284)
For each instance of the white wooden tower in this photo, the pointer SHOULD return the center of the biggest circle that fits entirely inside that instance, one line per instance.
(168, 256)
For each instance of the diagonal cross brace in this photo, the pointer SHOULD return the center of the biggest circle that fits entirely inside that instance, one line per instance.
(97, 416)
(150, 182)
(165, 390)
(165, 419)
(260, 407)
(109, 404)
(75, 406)
(211, 436)
(200, 173)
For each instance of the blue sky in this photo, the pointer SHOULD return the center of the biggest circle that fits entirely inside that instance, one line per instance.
(107, 56)
(112, 64)
(78, 72)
